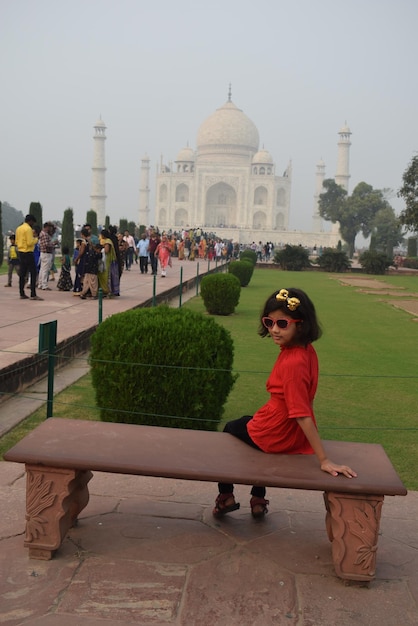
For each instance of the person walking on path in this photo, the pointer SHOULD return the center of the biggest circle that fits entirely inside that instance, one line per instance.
(65, 282)
(78, 268)
(130, 249)
(93, 256)
(111, 274)
(12, 260)
(286, 423)
(163, 253)
(142, 247)
(80, 259)
(46, 247)
(154, 240)
(26, 241)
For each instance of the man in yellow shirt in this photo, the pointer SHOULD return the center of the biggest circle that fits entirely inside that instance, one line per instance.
(26, 241)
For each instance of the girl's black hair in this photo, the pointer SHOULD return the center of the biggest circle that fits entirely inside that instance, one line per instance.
(65, 249)
(309, 329)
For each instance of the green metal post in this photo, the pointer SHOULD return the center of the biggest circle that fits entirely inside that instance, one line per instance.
(100, 305)
(47, 345)
(181, 286)
(154, 290)
(197, 279)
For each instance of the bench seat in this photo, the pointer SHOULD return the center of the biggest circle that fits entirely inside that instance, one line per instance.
(60, 455)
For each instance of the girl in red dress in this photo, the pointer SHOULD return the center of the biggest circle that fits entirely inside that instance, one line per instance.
(286, 423)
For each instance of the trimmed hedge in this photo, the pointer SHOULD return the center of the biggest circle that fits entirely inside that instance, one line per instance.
(410, 262)
(248, 255)
(220, 293)
(243, 270)
(162, 367)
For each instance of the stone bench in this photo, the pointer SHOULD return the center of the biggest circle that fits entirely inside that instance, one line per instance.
(61, 454)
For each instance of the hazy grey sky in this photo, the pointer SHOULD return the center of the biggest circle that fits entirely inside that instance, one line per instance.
(155, 70)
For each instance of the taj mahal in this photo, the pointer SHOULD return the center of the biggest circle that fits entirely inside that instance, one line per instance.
(228, 185)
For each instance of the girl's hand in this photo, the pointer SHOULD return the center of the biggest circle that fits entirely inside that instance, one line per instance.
(334, 470)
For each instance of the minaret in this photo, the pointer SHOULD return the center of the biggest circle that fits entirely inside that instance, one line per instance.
(144, 192)
(319, 181)
(342, 177)
(98, 188)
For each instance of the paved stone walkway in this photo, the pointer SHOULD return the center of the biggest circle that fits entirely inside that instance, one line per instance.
(148, 552)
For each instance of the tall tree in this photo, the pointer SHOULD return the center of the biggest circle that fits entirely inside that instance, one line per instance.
(11, 218)
(91, 219)
(67, 233)
(35, 209)
(123, 224)
(386, 231)
(354, 213)
(409, 192)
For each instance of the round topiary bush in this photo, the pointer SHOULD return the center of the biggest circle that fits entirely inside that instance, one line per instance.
(162, 367)
(220, 293)
(243, 270)
(248, 255)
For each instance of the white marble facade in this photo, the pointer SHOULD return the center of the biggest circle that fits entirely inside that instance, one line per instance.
(228, 186)
(226, 183)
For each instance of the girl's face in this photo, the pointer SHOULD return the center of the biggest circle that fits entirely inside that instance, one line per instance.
(284, 336)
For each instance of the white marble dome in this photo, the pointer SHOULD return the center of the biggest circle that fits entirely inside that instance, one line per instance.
(262, 157)
(186, 154)
(228, 127)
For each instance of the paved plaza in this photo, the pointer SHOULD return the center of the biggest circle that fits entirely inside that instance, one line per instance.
(147, 551)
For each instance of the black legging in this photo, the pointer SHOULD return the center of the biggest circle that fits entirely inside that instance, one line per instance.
(238, 428)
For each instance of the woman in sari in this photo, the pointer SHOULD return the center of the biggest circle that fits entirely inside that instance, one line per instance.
(180, 249)
(109, 278)
(79, 260)
(163, 252)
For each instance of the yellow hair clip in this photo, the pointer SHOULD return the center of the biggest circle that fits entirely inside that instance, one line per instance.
(292, 303)
(282, 295)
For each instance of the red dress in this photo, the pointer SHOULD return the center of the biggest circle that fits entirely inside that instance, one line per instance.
(292, 386)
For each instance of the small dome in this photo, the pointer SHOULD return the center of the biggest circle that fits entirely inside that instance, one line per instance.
(227, 127)
(345, 130)
(262, 157)
(100, 124)
(186, 154)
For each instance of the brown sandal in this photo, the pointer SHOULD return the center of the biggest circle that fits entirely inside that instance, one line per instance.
(225, 503)
(259, 507)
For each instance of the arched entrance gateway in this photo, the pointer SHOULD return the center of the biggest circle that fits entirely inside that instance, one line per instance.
(181, 217)
(221, 205)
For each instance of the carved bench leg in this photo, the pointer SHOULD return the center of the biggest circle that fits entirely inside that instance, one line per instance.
(54, 498)
(352, 523)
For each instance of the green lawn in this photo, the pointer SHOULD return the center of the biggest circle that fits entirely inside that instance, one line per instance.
(368, 356)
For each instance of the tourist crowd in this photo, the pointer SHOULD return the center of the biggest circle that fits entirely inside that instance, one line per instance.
(100, 260)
